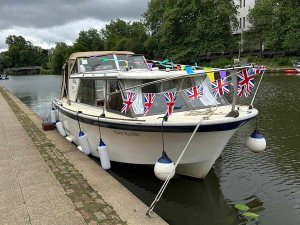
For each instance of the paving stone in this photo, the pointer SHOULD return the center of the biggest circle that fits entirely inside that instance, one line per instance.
(107, 210)
(36, 178)
(100, 216)
(100, 201)
(8, 183)
(11, 198)
(42, 192)
(14, 216)
(69, 218)
(50, 208)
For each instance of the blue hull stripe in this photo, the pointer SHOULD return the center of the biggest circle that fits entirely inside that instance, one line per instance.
(175, 129)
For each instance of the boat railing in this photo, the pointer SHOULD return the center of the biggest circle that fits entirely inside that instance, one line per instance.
(196, 74)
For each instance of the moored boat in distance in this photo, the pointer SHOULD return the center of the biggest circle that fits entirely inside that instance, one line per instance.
(118, 94)
(4, 77)
(296, 65)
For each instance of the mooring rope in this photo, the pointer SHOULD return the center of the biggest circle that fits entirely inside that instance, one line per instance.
(164, 186)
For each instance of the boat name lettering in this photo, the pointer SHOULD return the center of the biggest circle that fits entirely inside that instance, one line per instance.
(126, 133)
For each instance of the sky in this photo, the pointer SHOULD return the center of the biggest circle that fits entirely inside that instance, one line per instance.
(44, 22)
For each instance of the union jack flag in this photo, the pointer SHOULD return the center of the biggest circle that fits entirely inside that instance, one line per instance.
(148, 101)
(220, 87)
(128, 99)
(241, 92)
(262, 68)
(195, 92)
(170, 98)
(245, 83)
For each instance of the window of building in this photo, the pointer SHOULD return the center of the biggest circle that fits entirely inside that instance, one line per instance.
(244, 22)
(244, 3)
(240, 3)
(240, 23)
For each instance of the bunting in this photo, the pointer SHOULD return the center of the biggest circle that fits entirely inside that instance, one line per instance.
(195, 92)
(127, 101)
(210, 75)
(148, 101)
(220, 87)
(170, 98)
(245, 82)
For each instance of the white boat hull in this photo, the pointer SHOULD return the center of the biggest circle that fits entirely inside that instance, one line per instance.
(142, 147)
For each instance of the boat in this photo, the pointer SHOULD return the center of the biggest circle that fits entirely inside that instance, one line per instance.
(296, 65)
(4, 77)
(96, 84)
(291, 71)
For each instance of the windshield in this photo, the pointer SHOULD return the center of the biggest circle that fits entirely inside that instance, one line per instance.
(134, 61)
(97, 63)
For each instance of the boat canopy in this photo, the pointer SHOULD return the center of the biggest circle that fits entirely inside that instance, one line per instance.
(98, 53)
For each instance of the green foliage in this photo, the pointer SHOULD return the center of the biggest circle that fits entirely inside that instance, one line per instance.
(244, 211)
(241, 207)
(121, 35)
(22, 53)
(90, 40)
(276, 23)
(184, 30)
(251, 215)
(272, 62)
(58, 57)
(221, 63)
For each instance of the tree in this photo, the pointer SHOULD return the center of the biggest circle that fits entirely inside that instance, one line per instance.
(90, 40)
(184, 30)
(23, 53)
(58, 57)
(121, 35)
(275, 23)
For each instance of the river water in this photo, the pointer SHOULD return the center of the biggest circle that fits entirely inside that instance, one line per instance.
(269, 182)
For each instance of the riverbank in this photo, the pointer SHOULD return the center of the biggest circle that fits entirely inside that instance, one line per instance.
(53, 182)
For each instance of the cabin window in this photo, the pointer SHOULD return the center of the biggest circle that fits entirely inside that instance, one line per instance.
(86, 92)
(115, 101)
(100, 92)
(134, 61)
(74, 69)
(159, 105)
(97, 63)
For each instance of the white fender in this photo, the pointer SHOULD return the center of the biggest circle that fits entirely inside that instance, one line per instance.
(84, 143)
(256, 142)
(103, 154)
(61, 129)
(163, 167)
(53, 116)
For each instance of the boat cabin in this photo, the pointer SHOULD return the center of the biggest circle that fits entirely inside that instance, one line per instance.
(100, 79)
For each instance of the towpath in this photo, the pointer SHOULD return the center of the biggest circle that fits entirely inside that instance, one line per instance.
(46, 180)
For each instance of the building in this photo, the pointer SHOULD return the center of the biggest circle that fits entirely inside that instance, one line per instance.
(243, 10)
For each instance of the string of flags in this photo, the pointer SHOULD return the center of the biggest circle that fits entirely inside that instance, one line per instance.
(245, 85)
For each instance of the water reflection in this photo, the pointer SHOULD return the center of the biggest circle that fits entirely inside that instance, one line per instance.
(185, 201)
